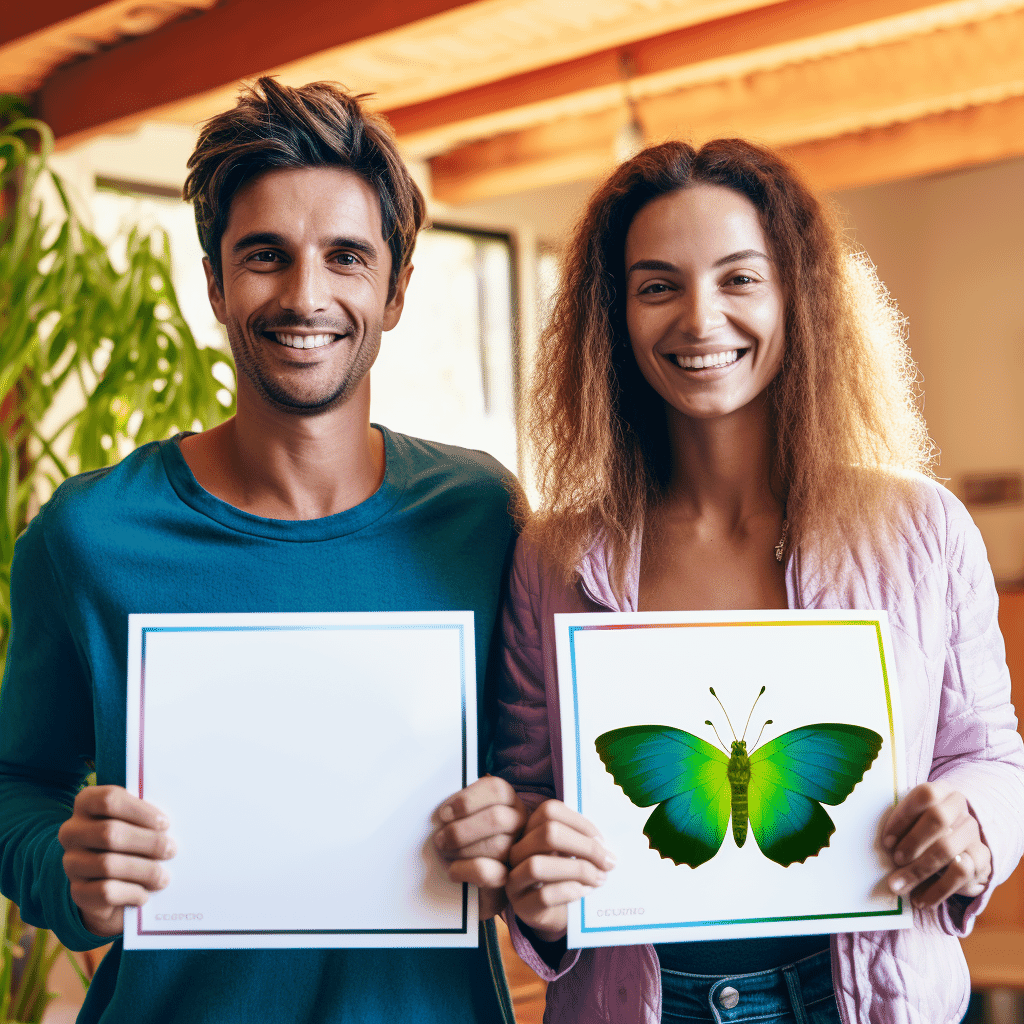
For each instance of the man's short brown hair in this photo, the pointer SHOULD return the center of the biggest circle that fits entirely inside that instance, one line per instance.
(318, 125)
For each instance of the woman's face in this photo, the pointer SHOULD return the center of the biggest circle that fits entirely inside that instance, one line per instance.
(704, 307)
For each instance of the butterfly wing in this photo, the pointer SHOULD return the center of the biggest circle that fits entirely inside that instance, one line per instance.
(792, 775)
(684, 775)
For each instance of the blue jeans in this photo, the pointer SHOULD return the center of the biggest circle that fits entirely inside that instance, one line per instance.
(799, 993)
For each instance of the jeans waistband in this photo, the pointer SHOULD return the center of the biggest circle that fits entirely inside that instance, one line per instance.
(761, 996)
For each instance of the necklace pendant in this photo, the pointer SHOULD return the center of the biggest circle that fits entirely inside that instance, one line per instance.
(780, 548)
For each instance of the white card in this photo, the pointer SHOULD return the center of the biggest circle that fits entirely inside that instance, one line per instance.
(619, 670)
(300, 758)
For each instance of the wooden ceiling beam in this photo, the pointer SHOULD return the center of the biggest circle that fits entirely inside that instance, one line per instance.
(208, 51)
(799, 103)
(752, 40)
(929, 145)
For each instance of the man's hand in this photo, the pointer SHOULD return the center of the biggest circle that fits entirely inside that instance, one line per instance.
(936, 844)
(113, 847)
(559, 859)
(479, 824)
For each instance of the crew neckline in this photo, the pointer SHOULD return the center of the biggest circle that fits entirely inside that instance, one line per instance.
(193, 494)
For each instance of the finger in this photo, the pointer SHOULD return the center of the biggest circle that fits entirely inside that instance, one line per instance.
(101, 897)
(478, 795)
(958, 874)
(935, 821)
(115, 836)
(536, 906)
(484, 872)
(87, 866)
(556, 810)
(117, 802)
(556, 837)
(495, 847)
(541, 871)
(935, 859)
(491, 820)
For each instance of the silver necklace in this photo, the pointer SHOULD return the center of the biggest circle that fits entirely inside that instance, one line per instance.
(780, 548)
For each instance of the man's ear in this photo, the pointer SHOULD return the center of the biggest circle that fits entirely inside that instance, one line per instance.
(215, 292)
(393, 310)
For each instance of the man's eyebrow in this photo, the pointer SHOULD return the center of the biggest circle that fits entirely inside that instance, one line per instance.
(255, 238)
(368, 249)
(258, 238)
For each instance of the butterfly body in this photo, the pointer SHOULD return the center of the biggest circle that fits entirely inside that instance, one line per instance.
(738, 774)
(777, 789)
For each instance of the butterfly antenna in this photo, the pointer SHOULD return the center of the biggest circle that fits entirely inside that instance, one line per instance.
(752, 706)
(726, 713)
(760, 734)
(707, 721)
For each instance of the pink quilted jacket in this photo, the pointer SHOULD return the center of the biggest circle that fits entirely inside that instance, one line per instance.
(959, 725)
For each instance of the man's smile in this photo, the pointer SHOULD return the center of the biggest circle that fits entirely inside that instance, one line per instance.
(302, 340)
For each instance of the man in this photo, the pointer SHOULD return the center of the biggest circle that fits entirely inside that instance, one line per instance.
(308, 219)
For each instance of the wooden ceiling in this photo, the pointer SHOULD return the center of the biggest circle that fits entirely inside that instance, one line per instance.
(501, 96)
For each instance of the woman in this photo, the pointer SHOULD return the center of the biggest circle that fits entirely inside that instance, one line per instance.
(724, 416)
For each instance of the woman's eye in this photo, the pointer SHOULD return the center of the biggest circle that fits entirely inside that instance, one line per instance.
(740, 279)
(654, 288)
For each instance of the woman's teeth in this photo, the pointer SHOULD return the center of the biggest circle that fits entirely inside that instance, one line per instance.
(304, 340)
(713, 359)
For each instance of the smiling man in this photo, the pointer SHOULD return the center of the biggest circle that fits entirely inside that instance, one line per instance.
(297, 503)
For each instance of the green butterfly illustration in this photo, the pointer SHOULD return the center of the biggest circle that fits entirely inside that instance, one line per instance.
(779, 788)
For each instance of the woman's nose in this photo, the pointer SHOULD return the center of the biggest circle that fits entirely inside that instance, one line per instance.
(700, 314)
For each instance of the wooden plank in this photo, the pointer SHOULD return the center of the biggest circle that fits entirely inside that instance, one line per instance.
(736, 45)
(24, 19)
(212, 50)
(930, 145)
(896, 83)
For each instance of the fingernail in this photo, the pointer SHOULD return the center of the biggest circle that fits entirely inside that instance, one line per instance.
(162, 821)
(610, 860)
(900, 857)
(446, 813)
(897, 884)
(601, 876)
(171, 848)
(164, 880)
(889, 842)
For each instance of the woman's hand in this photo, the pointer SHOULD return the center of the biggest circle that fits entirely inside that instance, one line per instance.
(559, 859)
(936, 844)
(479, 824)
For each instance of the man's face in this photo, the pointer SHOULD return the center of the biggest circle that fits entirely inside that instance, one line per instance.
(306, 275)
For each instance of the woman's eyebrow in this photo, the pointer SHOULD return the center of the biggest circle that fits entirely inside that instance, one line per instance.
(668, 268)
(743, 254)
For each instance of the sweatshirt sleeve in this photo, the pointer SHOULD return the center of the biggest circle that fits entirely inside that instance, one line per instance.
(978, 750)
(523, 743)
(46, 744)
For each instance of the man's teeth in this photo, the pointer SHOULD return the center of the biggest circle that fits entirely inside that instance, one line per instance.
(713, 359)
(304, 340)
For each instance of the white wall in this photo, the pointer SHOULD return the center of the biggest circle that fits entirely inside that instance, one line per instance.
(949, 248)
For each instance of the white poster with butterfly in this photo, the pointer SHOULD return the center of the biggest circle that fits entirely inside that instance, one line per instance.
(738, 765)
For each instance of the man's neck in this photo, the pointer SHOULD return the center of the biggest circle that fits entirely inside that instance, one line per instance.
(281, 466)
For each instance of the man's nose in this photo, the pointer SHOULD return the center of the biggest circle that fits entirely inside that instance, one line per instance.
(305, 289)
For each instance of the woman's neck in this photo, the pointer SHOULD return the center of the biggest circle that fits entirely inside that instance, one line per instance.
(721, 468)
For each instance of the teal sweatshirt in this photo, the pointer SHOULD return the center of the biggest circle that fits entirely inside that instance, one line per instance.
(143, 536)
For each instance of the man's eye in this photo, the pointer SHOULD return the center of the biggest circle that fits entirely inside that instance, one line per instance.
(264, 256)
(346, 259)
